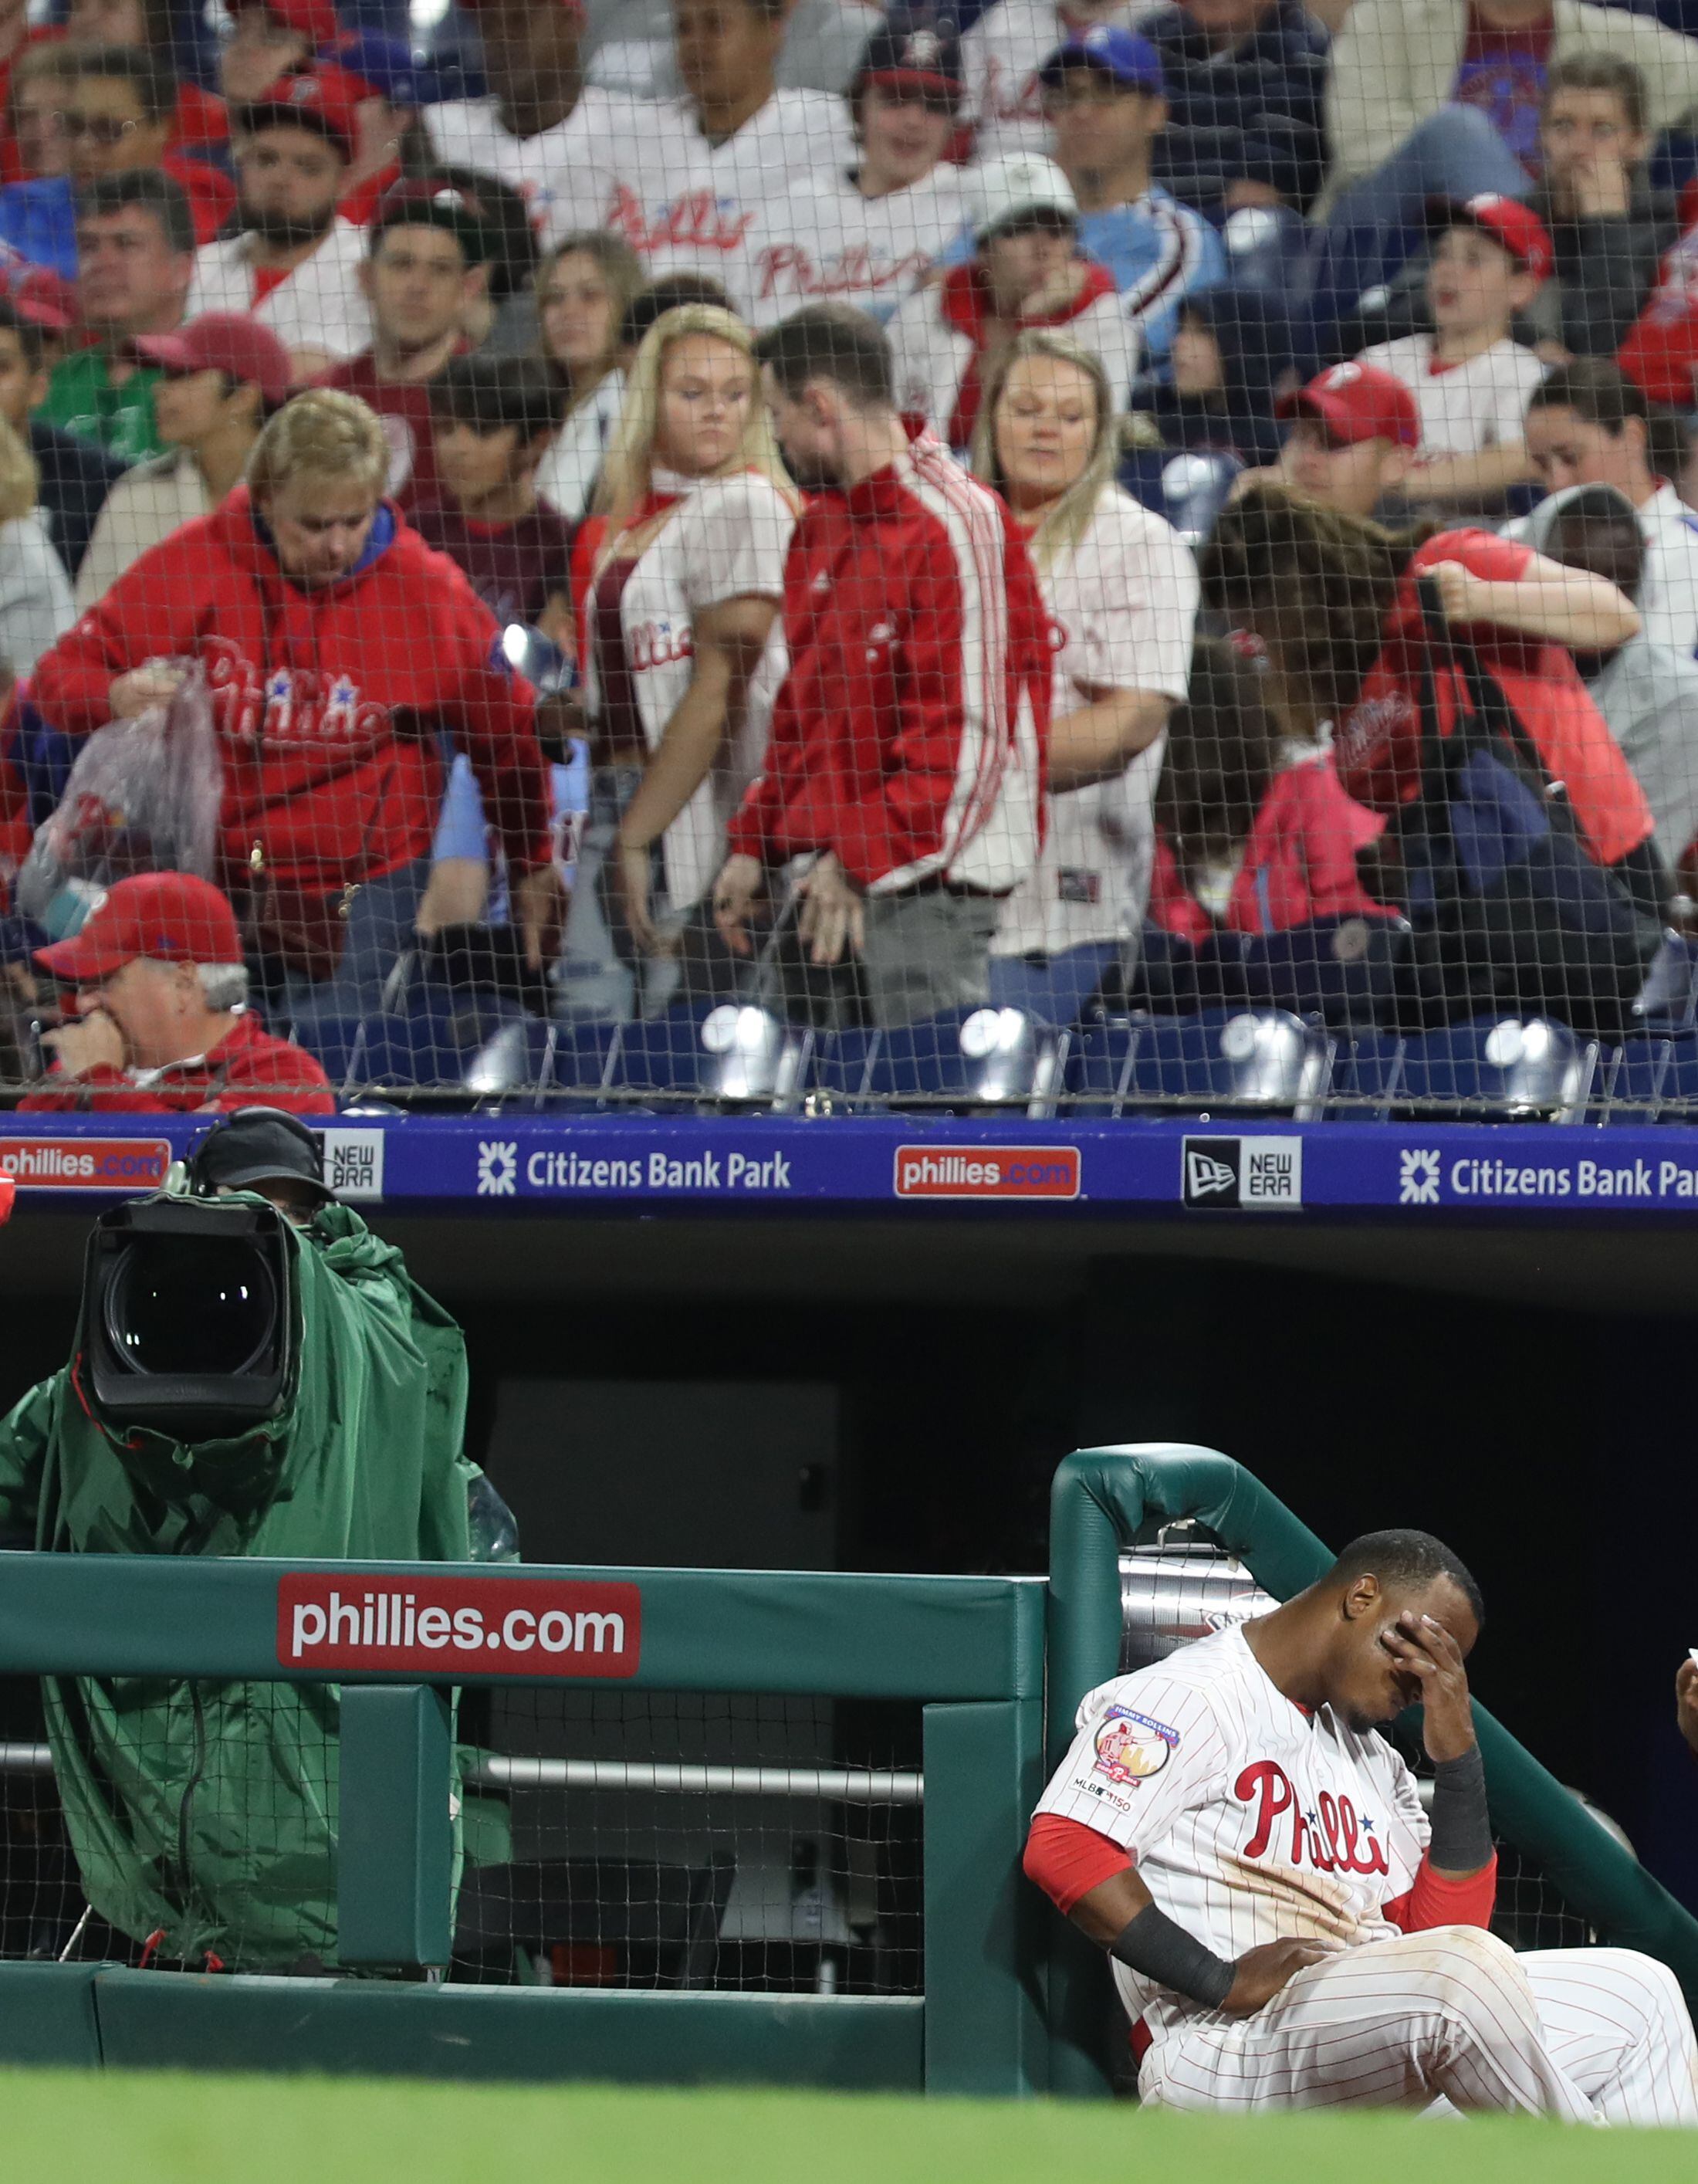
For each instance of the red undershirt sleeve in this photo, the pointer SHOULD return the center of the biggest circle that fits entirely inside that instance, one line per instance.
(1435, 1901)
(1068, 1860)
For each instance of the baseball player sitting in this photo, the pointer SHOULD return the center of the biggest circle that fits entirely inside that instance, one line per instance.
(1287, 1929)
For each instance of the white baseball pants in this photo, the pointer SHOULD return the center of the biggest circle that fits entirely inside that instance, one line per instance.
(1451, 2016)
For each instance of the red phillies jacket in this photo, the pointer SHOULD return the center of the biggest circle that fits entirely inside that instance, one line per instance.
(327, 701)
(909, 734)
(248, 1067)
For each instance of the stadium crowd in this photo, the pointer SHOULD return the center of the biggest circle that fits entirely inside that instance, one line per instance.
(868, 513)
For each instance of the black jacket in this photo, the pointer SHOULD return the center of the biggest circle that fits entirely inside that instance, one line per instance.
(76, 475)
(1251, 113)
(1605, 270)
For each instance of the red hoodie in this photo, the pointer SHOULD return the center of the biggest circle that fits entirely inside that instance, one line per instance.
(327, 702)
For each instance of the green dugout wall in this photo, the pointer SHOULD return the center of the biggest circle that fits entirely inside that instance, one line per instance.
(1011, 2007)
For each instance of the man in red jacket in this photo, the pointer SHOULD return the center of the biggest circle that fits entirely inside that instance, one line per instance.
(162, 1026)
(908, 738)
(339, 647)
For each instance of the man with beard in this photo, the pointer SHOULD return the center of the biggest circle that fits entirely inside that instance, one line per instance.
(428, 267)
(295, 266)
(907, 746)
(1288, 1927)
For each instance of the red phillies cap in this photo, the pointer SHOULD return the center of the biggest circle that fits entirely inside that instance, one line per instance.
(315, 20)
(46, 298)
(323, 101)
(1357, 402)
(1520, 230)
(171, 918)
(223, 341)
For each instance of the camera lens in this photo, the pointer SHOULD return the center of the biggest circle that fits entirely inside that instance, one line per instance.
(191, 1306)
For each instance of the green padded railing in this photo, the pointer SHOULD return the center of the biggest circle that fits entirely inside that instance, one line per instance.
(1099, 1499)
(969, 1650)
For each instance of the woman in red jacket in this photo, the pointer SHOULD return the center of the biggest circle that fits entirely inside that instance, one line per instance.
(339, 650)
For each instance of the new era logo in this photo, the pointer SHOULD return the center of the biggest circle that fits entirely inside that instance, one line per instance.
(1243, 1174)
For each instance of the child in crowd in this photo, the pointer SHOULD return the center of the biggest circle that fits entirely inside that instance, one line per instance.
(1232, 348)
(1469, 377)
(494, 419)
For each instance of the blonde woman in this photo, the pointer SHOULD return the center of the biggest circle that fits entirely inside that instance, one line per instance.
(35, 602)
(584, 288)
(685, 656)
(1122, 590)
(335, 644)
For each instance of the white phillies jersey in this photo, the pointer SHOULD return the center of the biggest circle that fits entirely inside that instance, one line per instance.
(1122, 606)
(685, 205)
(825, 243)
(564, 174)
(1465, 408)
(321, 305)
(1000, 56)
(1250, 1820)
(726, 539)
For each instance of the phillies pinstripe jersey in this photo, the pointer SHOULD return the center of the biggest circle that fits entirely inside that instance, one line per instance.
(1250, 1819)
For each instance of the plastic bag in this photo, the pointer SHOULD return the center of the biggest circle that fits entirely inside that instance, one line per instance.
(143, 796)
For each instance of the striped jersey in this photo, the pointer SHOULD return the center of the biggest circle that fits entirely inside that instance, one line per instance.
(1249, 1819)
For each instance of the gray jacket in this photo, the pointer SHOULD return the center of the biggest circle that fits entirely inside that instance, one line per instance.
(1647, 694)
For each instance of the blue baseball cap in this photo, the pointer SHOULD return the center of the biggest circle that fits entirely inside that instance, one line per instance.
(387, 68)
(1129, 59)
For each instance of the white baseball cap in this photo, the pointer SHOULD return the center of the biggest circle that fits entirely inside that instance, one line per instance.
(1010, 188)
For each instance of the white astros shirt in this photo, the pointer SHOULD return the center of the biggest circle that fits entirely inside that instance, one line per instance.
(1465, 408)
(1000, 56)
(1122, 606)
(686, 205)
(1250, 1820)
(565, 173)
(823, 242)
(728, 539)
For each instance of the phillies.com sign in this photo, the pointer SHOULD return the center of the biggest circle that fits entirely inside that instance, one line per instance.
(441, 1626)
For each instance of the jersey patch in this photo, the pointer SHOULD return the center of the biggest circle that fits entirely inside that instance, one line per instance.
(1130, 1748)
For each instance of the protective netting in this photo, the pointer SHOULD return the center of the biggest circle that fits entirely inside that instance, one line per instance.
(1118, 559)
(629, 1839)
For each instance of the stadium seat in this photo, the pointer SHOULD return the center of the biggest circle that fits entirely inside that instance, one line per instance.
(1366, 1069)
(1245, 1062)
(579, 1062)
(660, 1054)
(1669, 997)
(1343, 970)
(1633, 1076)
(517, 1059)
(336, 1044)
(970, 1058)
(1504, 1070)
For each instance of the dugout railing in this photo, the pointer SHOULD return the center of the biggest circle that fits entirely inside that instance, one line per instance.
(966, 1652)
(1102, 1500)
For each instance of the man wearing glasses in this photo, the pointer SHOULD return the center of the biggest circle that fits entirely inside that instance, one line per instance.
(118, 106)
(1104, 98)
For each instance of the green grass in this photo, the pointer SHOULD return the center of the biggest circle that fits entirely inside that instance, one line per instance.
(108, 2128)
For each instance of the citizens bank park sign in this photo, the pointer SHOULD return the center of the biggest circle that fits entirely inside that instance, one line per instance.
(903, 1167)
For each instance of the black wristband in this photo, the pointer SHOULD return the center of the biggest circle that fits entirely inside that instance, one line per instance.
(1153, 1945)
(1461, 1840)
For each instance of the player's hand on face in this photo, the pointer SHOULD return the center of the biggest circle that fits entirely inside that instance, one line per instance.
(1425, 1651)
(1686, 1701)
(1261, 1973)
